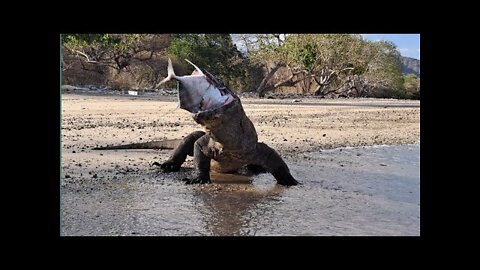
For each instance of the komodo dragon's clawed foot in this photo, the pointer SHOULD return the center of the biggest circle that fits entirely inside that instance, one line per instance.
(169, 166)
(196, 180)
(288, 181)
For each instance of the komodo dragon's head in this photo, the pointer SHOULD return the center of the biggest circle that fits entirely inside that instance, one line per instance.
(202, 94)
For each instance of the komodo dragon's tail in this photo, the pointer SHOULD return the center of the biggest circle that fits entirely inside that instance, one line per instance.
(165, 144)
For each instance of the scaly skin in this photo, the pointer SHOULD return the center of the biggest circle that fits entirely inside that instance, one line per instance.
(229, 143)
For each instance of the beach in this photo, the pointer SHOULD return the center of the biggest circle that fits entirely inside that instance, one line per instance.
(358, 161)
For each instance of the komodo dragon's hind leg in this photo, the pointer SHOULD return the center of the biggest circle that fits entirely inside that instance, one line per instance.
(270, 160)
(181, 151)
(256, 169)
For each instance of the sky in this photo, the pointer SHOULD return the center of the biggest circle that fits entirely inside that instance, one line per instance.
(407, 44)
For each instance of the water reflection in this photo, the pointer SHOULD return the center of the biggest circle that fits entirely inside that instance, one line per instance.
(233, 206)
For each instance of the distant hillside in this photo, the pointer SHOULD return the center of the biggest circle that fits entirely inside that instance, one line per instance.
(410, 66)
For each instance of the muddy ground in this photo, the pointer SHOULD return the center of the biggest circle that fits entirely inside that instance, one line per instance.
(358, 161)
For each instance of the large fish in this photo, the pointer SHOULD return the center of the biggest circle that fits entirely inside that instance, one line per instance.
(198, 92)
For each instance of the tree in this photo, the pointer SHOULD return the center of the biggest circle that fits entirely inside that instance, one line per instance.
(266, 50)
(328, 59)
(214, 52)
(307, 58)
(337, 63)
(385, 69)
(115, 51)
(412, 86)
(101, 53)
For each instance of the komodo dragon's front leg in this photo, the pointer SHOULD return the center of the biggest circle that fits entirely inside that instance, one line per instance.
(202, 155)
(181, 151)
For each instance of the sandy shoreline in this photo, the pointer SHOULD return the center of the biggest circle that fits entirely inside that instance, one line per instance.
(88, 121)
(99, 188)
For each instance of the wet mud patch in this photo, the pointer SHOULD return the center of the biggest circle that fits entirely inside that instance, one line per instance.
(375, 192)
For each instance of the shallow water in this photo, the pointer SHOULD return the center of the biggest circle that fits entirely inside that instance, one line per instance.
(346, 191)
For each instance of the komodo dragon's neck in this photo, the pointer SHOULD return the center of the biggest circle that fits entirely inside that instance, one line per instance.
(230, 127)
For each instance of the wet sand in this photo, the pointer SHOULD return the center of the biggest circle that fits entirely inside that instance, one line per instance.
(358, 190)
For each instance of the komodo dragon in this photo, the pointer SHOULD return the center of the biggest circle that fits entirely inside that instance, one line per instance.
(229, 141)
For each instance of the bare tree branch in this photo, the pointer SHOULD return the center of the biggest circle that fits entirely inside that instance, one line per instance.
(85, 55)
(66, 66)
(345, 69)
(261, 89)
(287, 82)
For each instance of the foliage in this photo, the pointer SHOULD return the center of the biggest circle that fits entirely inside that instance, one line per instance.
(329, 65)
(412, 86)
(214, 52)
(330, 61)
(113, 54)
